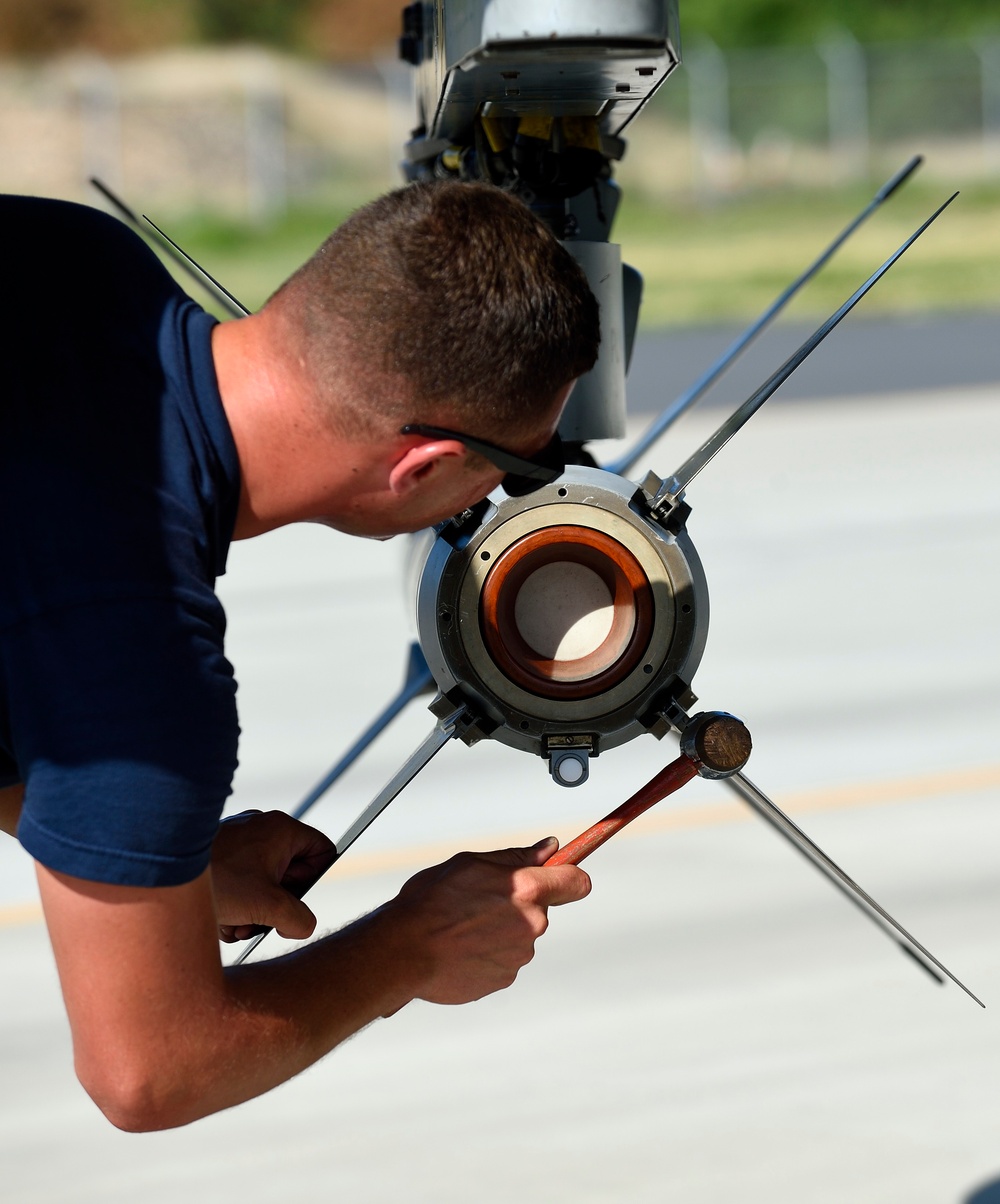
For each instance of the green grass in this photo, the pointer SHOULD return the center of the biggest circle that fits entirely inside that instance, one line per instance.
(730, 260)
(250, 260)
(707, 263)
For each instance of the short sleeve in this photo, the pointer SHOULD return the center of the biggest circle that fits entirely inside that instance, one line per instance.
(123, 726)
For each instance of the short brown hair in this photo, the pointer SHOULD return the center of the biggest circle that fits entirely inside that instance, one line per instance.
(459, 289)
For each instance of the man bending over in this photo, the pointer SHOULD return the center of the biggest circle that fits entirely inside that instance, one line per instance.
(138, 436)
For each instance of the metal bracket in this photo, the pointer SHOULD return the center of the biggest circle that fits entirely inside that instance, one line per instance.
(471, 727)
(670, 712)
(569, 758)
(663, 502)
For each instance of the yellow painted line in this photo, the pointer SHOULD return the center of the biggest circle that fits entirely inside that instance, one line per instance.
(21, 913)
(897, 790)
(705, 815)
(836, 798)
(700, 815)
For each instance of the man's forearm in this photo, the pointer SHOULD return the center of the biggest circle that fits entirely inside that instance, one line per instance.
(281, 1016)
(162, 1035)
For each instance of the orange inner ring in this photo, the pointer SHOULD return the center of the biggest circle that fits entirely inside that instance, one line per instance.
(621, 649)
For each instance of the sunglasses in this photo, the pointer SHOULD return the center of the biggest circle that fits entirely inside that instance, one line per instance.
(523, 475)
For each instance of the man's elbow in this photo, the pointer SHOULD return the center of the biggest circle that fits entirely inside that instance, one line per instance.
(136, 1099)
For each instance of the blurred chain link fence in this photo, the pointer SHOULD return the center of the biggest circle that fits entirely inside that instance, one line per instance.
(248, 132)
(836, 110)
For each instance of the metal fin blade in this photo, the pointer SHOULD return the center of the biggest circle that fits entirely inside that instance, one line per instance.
(223, 295)
(768, 811)
(179, 256)
(682, 404)
(693, 465)
(442, 732)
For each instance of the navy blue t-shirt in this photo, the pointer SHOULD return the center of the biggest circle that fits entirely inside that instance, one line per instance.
(119, 485)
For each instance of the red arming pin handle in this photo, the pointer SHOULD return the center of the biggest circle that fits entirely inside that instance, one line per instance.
(715, 745)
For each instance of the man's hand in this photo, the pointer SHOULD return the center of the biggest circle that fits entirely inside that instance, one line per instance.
(11, 798)
(261, 863)
(469, 925)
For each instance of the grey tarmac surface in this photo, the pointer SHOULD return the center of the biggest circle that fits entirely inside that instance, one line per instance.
(714, 1023)
(865, 355)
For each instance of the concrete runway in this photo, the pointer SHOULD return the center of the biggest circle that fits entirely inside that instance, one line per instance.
(714, 1023)
(866, 355)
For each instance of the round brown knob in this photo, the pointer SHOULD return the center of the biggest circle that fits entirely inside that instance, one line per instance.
(719, 743)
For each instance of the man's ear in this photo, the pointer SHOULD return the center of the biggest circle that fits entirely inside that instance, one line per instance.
(419, 465)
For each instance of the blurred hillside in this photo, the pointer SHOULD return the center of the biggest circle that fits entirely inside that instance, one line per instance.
(338, 30)
(252, 126)
(354, 30)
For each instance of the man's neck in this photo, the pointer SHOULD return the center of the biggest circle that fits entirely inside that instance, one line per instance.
(292, 465)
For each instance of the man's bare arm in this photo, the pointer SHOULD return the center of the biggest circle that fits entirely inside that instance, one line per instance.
(11, 798)
(163, 1035)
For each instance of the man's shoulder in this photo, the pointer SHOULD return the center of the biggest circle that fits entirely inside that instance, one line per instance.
(57, 218)
(52, 209)
(52, 247)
